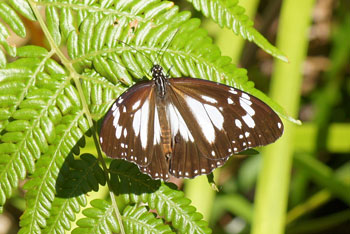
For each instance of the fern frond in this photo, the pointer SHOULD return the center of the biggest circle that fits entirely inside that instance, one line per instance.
(23, 7)
(140, 220)
(76, 178)
(99, 219)
(134, 187)
(228, 13)
(42, 186)
(135, 219)
(14, 22)
(47, 120)
(98, 92)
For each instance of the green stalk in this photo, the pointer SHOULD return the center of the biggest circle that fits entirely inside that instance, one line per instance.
(231, 44)
(199, 190)
(273, 182)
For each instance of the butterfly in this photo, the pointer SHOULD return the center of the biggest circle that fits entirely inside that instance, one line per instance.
(185, 127)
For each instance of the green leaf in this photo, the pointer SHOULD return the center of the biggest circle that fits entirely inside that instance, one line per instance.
(99, 219)
(2, 59)
(135, 187)
(53, 24)
(31, 51)
(76, 178)
(140, 220)
(23, 7)
(12, 19)
(229, 14)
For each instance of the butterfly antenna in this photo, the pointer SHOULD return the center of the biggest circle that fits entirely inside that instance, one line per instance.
(168, 72)
(159, 53)
(124, 43)
(167, 46)
(123, 66)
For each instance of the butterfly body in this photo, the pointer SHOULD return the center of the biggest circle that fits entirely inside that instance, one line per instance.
(185, 127)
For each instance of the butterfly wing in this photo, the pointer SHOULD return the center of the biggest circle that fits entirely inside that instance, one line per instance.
(211, 121)
(131, 130)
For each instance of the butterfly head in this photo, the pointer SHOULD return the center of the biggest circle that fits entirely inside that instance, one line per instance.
(157, 71)
(160, 79)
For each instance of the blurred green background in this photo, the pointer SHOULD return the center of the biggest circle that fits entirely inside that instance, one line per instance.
(301, 184)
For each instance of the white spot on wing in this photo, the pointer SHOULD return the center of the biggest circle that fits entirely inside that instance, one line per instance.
(198, 111)
(238, 123)
(246, 134)
(233, 91)
(177, 123)
(144, 124)
(136, 105)
(229, 101)
(101, 140)
(215, 116)
(116, 115)
(136, 122)
(246, 96)
(246, 107)
(249, 121)
(157, 131)
(209, 99)
(118, 131)
(125, 132)
(279, 125)
(114, 107)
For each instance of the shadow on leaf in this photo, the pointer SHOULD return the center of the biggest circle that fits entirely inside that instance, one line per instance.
(79, 176)
(126, 178)
(83, 175)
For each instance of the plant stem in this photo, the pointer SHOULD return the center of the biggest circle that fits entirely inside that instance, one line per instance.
(86, 110)
(273, 182)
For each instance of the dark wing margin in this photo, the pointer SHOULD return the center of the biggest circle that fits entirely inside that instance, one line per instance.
(221, 121)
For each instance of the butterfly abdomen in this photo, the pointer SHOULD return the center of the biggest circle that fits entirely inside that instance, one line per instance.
(165, 131)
